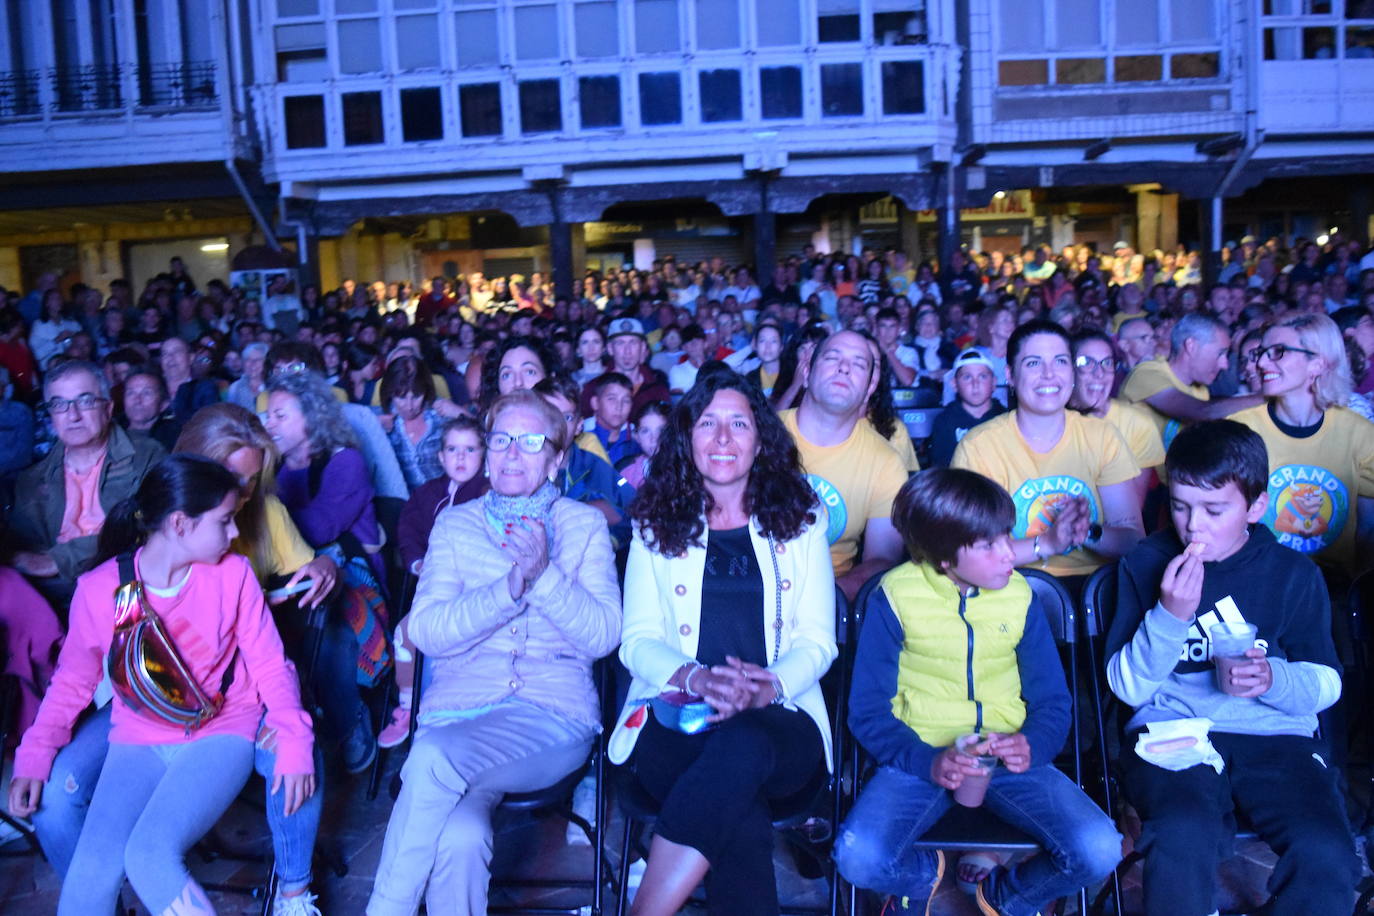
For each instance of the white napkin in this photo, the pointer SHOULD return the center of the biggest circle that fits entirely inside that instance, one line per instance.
(1179, 758)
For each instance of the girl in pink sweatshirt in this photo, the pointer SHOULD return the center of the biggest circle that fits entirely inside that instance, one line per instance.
(163, 786)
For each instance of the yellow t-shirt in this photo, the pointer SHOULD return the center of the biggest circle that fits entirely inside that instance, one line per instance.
(1315, 483)
(1149, 379)
(900, 441)
(855, 480)
(289, 551)
(1091, 454)
(1137, 428)
(767, 380)
(1121, 318)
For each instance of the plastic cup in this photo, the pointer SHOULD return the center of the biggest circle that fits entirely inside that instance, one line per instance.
(974, 788)
(1230, 641)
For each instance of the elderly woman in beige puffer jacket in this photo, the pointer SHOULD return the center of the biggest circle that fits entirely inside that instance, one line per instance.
(516, 600)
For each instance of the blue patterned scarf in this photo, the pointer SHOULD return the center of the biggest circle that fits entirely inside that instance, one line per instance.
(511, 510)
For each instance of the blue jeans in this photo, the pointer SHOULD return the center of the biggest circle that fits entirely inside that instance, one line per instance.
(293, 838)
(68, 792)
(1079, 844)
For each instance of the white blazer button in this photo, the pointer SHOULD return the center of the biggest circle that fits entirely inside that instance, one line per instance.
(680, 590)
(685, 630)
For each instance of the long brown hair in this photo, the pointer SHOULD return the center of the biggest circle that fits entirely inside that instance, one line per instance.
(219, 430)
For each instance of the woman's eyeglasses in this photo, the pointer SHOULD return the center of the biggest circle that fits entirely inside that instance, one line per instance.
(1106, 364)
(529, 443)
(1277, 352)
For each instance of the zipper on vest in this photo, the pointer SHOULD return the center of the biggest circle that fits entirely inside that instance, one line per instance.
(968, 667)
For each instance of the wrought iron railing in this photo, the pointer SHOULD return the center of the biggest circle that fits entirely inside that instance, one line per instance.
(19, 94)
(95, 87)
(185, 85)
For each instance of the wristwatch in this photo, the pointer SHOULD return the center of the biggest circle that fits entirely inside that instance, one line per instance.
(1094, 534)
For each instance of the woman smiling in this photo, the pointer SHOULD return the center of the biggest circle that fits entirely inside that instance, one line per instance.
(1321, 455)
(1070, 476)
(517, 597)
(1094, 361)
(729, 626)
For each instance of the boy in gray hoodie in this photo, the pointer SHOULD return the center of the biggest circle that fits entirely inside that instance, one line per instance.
(1221, 565)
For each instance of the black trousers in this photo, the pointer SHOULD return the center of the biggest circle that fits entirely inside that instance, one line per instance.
(715, 789)
(1286, 788)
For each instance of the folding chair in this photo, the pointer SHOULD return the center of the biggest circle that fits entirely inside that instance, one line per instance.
(973, 829)
(9, 708)
(917, 408)
(791, 816)
(556, 798)
(1099, 596)
(406, 594)
(1099, 605)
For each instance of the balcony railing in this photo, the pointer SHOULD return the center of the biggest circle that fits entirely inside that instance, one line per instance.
(95, 87)
(184, 85)
(19, 93)
(104, 88)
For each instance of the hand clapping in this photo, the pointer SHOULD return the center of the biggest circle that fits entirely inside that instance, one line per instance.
(528, 549)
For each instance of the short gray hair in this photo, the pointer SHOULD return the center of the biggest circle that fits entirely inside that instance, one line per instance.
(1198, 326)
(255, 349)
(324, 417)
(72, 367)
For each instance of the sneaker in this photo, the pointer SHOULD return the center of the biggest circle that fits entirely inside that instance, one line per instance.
(17, 828)
(360, 747)
(302, 904)
(397, 730)
(634, 876)
(584, 805)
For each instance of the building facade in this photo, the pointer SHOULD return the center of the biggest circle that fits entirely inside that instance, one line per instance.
(401, 138)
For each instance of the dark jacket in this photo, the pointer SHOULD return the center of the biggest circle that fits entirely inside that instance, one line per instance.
(42, 500)
(422, 510)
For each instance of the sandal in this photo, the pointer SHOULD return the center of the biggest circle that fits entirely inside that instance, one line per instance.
(975, 866)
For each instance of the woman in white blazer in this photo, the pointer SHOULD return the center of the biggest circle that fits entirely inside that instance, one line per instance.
(730, 601)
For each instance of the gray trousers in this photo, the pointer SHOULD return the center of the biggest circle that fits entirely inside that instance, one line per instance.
(439, 835)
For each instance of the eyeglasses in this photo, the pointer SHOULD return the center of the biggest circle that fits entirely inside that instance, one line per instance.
(529, 443)
(295, 368)
(1106, 364)
(81, 402)
(1277, 352)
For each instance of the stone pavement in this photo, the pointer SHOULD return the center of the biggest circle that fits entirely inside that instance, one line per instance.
(355, 827)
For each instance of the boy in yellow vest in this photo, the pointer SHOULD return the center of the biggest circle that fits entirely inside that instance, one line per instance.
(954, 644)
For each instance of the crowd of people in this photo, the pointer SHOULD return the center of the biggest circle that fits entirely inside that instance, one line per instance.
(215, 506)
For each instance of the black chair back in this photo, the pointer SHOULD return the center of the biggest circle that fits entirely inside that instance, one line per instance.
(963, 829)
(1099, 599)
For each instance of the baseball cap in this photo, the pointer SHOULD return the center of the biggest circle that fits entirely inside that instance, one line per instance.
(1118, 244)
(625, 326)
(970, 357)
(1248, 240)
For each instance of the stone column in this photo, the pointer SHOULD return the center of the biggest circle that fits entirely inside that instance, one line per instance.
(765, 245)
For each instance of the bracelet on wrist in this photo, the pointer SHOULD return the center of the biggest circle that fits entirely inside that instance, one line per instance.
(779, 698)
(1035, 548)
(687, 681)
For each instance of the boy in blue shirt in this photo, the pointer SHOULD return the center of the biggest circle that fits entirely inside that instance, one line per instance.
(955, 643)
(1220, 565)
